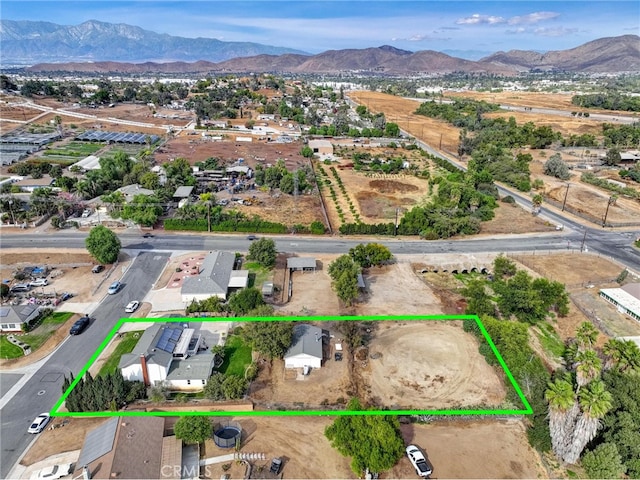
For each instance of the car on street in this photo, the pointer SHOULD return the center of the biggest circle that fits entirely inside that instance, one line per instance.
(419, 461)
(252, 237)
(132, 306)
(114, 288)
(39, 423)
(53, 472)
(80, 325)
(66, 296)
(97, 269)
(41, 282)
(147, 235)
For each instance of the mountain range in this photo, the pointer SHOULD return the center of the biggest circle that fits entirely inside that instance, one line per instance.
(99, 47)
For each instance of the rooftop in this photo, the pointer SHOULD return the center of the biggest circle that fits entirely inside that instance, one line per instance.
(307, 340)
(214, 276)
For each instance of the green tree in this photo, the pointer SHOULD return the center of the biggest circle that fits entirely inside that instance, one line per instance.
(193, 429)
(563, 411)
(604, 462)
(287, 184)
(391, 130)
(245, 300)
(370, 254)
(306, 152)
(556, 167)
(264, 252)
(234, 387)
(103, 244)
(144, 210)
(213, 389)
(613, 157)
(344, 275)
(503, 267)
(271, 339)
(373, 442)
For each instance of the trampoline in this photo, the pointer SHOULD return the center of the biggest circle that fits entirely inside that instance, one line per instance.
(225, 435)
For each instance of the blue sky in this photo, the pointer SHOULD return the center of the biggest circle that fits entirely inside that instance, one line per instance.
(318, 26)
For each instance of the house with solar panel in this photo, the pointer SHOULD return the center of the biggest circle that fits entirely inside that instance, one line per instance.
(171, 354)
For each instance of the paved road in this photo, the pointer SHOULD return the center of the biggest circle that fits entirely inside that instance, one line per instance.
(617, 245)
(43, 389)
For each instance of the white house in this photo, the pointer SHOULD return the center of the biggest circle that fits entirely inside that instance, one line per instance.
(169, 354)
(12, 318)
(626, 299)
(306, 348)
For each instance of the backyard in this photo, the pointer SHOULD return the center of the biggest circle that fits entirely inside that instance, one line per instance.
(237, 356)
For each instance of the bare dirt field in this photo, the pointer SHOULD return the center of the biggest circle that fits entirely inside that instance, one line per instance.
(428, 365)
(399, 110)
(584, 275)
(472, 449)
(18, 112)
(323, 301)
(195, 148)
(397, 290)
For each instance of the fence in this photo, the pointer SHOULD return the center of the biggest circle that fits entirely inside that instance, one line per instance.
(589, 217)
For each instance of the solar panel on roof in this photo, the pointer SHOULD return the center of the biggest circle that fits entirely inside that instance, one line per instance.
(176, 334)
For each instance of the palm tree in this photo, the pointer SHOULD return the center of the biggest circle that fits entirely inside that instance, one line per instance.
(595, 402)
(563, 409)
(586, 335)
(208, 199)
(622, 355)
(588, 366)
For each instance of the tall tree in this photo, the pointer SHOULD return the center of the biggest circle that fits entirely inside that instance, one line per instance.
(373, 442)
(103, 244)
(193, 429)
(563, 410)
(271, 339)
(264, 252)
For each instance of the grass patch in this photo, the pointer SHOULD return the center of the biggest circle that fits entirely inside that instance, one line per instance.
(56, 318)
(237, 356)
(36, 338)
(549, 339)
(126, 345)
(8, 349)
(257, 273)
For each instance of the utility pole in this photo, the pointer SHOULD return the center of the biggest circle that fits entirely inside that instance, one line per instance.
(604, 220)
(395, 230)
(565, 197)
(583, 240)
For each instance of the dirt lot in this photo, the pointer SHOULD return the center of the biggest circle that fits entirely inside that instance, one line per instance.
(17, 112)
(428, 365)
(472, 449)
(196, 149)
(401, 111)
(583, 275)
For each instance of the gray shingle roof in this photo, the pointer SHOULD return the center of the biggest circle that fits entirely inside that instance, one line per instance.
(197, 367)
(301, 262)
(215, 272)
(307, 339)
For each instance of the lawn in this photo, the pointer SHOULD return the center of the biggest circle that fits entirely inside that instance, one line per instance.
(237, 356)
(49, 324)
(8, 349)
(257, 274)
(126, 345)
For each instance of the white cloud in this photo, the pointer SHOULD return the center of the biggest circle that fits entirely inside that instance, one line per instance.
(532, 18)
(477, 19)
(554, 32)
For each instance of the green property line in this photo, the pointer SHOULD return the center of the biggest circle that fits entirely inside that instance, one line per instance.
(526, 411)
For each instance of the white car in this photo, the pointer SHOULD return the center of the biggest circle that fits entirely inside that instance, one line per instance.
(132, 307)
(41, 282)
(419, 462)
(53, 472)
(39, 423)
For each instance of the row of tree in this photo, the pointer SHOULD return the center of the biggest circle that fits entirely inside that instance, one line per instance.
(103, 393)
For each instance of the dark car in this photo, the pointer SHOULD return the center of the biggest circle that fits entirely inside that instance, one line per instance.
(79, 326)
(276, 464)
(97, 269)
(252, 237)
(147, 235)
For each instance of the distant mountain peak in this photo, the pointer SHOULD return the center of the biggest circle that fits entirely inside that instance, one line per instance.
(389, 48)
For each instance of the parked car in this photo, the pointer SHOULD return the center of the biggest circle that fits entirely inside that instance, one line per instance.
(276, 464)
(80, 325)
(97, 269)
(86, 213)
(41, 282)
(66, 296)
(147, 235)
(39, 423)
(53, 472)
(20, 287)
(114, 287)
(132, 307)
(419, 461)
